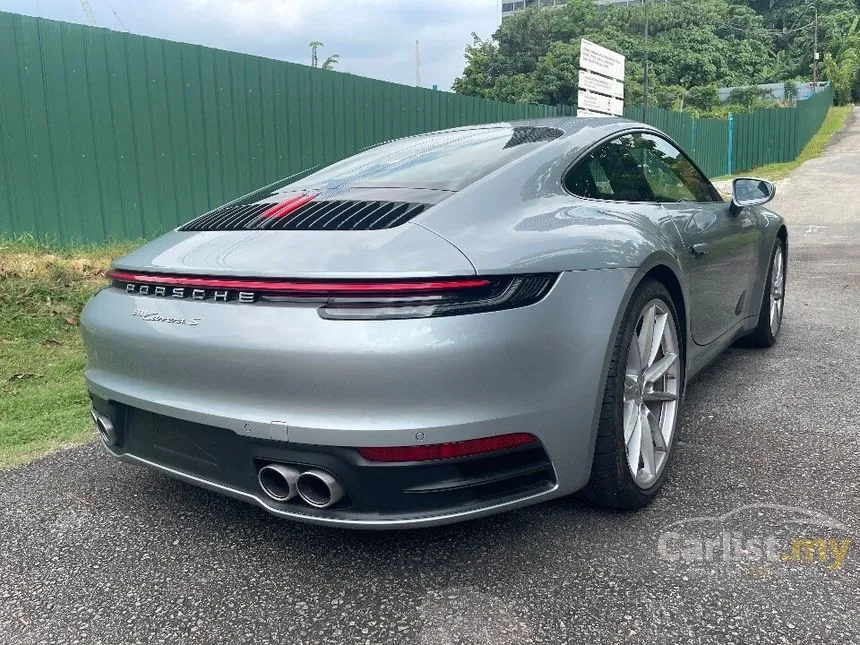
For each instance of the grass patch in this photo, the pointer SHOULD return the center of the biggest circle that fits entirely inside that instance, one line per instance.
(833, 123)
(43, 400)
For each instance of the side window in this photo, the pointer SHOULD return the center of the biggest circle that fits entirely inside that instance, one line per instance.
(639, 167)
(671, 176)
(612, 171)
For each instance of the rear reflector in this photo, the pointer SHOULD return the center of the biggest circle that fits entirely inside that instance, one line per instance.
(448, 450)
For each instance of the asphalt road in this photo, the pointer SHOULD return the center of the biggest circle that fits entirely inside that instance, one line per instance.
(97, 552)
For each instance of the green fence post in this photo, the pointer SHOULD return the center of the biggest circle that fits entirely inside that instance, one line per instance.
(730, 144)
(693, 138)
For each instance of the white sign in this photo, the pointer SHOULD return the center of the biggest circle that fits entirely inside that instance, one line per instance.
(588, 113)
(601, 81)
(601, 84)
(598, 103)
(598, 59)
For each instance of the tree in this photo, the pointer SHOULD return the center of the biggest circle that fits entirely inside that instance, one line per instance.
(841, 65)
(331, 61)
(795, 18)
(669, 97)
(842, 73)
(789, 91)
(747, 97)
(778, 67)
(703, 98)
(479, 76)
(519, 88)
(533, 55)
(314, 45)
(556, 75)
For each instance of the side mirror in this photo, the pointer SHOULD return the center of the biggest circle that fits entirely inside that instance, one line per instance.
(749, 191)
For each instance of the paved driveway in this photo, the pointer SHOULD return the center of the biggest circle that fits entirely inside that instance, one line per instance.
(97, 552)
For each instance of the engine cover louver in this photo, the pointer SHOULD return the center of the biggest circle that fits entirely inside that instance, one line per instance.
(330, 215)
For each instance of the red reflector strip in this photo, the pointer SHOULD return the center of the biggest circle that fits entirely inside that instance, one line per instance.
(453, 284)
(448, 450)
(288, 206)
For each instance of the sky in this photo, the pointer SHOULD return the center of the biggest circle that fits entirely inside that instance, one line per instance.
(374, 38)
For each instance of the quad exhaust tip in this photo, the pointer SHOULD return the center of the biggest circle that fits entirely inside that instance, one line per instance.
(105, 427)
(278, 481)
(315, 487)
(319, 488)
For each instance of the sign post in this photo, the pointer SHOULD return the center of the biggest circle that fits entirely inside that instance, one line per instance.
(601, 81)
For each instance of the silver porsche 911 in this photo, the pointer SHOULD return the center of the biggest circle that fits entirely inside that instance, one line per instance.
(438, 328)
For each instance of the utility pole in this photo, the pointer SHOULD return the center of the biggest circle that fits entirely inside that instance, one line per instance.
(815, 54)
(417, 66)
(645, 69)
(88, 10)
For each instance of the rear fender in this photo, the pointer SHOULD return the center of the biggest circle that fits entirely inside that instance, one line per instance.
(658, 261)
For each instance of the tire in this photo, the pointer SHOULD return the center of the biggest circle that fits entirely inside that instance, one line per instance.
(766, 333)
(613, 483)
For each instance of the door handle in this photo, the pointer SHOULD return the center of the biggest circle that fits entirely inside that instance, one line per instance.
(700, 249)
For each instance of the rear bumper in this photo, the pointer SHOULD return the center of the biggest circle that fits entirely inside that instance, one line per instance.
(283, 378)
(327, 520)
(378, 495)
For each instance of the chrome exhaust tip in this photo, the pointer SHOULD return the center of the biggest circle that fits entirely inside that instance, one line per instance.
(319, 488)
(105, 427)
(278, 481)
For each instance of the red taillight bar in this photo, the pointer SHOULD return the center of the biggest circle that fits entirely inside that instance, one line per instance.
(280, 286)
(447, 450)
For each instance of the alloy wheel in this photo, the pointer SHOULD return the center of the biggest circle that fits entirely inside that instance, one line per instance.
(777, 290)
(651, 392)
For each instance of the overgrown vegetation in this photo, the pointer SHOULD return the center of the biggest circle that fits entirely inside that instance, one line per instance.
(43, 401)
(695, 46)
(842, 63)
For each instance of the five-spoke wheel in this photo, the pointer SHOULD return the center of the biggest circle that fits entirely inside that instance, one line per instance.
(777, 289)
(651, 389)
(644, 385)
(773, 301)
(640, 405)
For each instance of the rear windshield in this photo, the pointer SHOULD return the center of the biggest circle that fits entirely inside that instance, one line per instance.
(443, 160)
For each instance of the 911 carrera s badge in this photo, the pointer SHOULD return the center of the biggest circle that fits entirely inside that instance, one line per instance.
(189, 293)
(154, 316)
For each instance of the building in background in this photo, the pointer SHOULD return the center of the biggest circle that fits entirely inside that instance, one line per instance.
(510, 7)
(790, 91)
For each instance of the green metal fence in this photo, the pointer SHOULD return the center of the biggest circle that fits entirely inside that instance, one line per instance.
(743, 141)
(109, 135)
(770, 136)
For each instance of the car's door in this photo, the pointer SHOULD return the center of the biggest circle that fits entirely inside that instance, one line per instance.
(720, 253)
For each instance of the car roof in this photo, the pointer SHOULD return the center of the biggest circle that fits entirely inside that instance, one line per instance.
(562, 133)
(569, 125)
